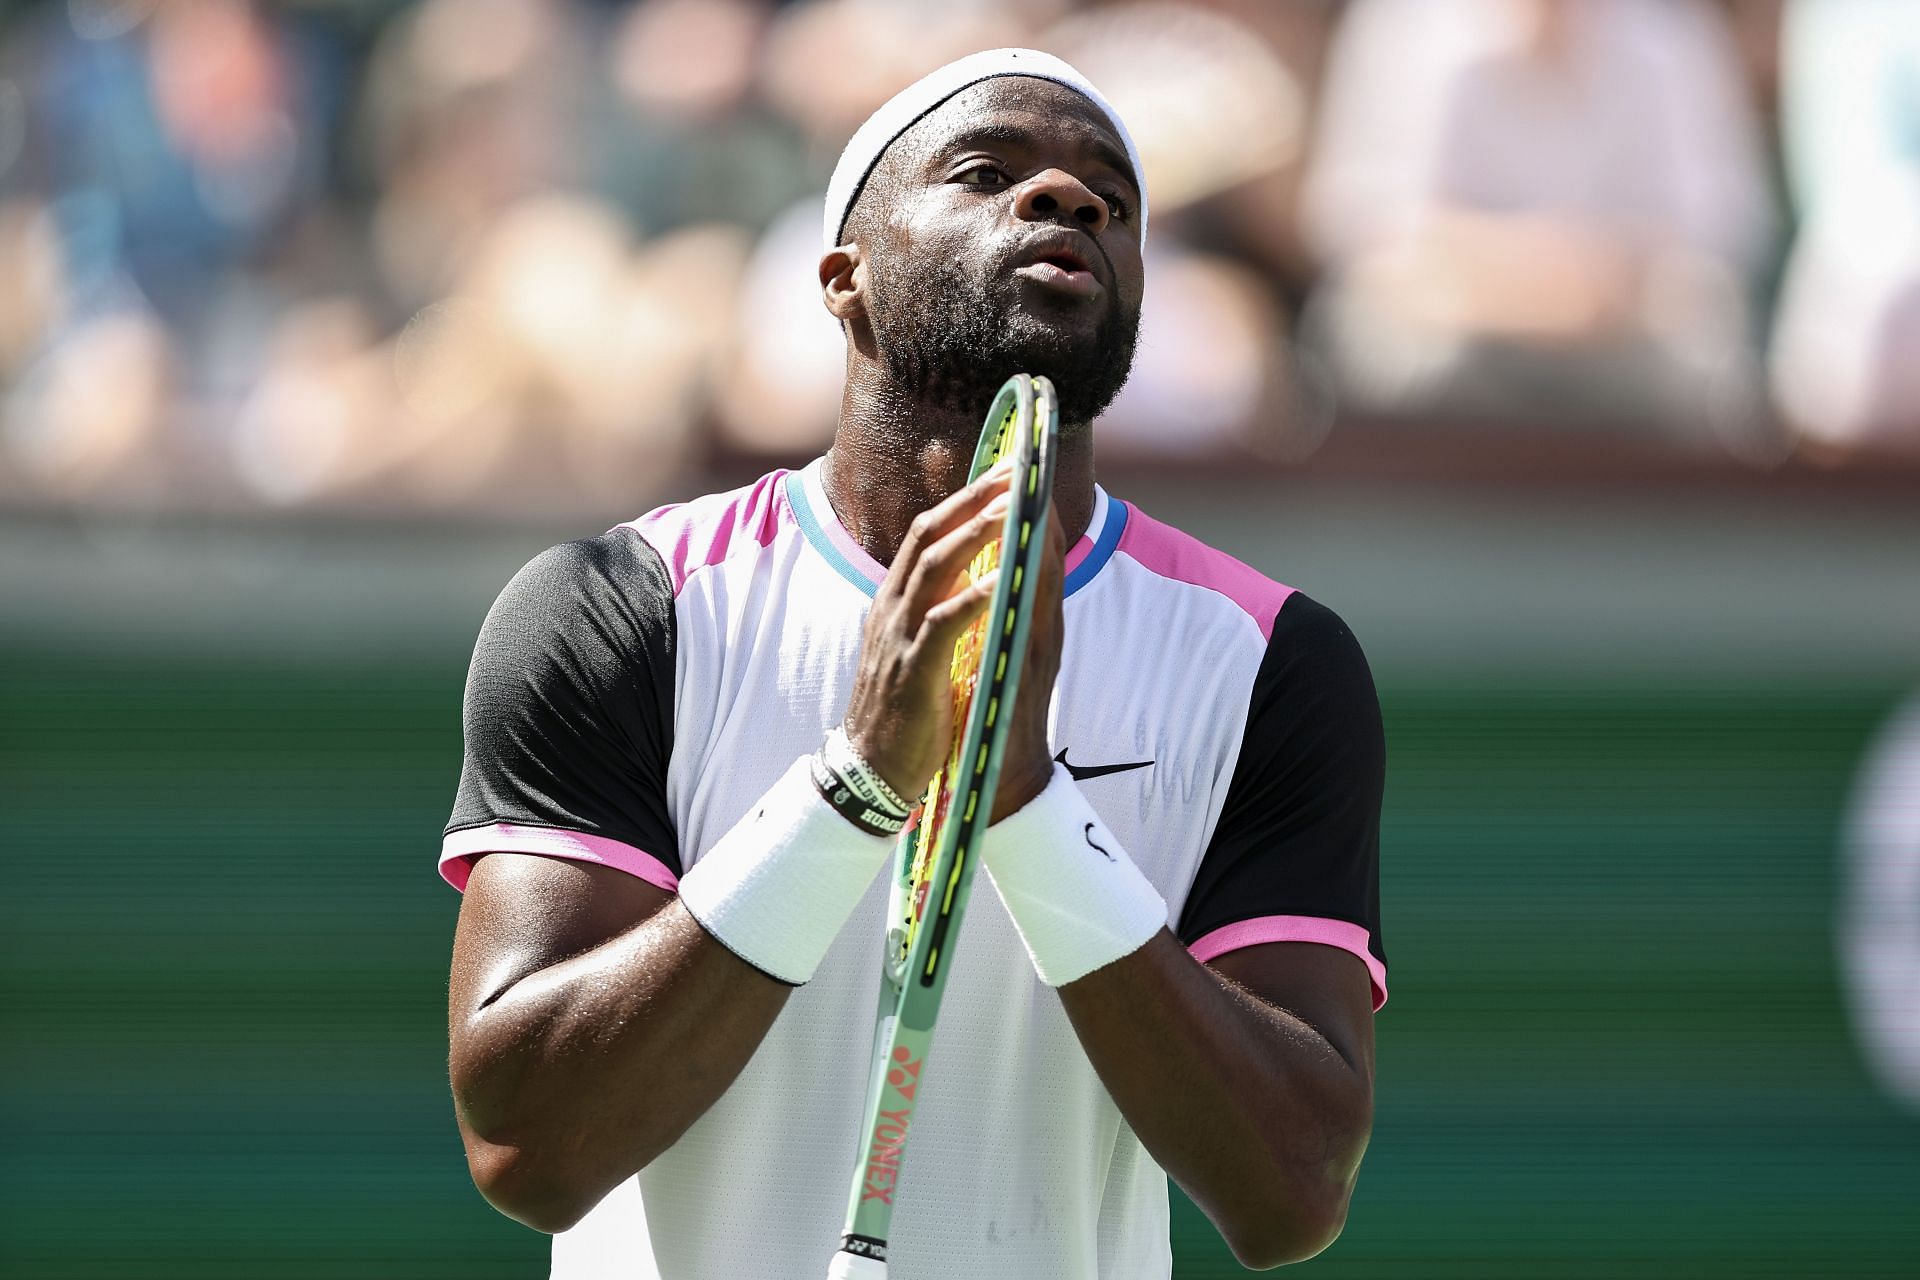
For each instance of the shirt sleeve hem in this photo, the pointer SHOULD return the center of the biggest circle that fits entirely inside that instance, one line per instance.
(461, 849)
(1343, 934)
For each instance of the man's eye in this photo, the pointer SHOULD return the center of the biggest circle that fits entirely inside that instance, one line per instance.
(985, 175)
(1117, 206)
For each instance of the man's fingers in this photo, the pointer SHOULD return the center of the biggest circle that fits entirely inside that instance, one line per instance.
(940, 519)
(944, 561)
(947, 619)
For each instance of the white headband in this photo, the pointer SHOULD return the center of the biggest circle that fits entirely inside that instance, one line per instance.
(907, 107)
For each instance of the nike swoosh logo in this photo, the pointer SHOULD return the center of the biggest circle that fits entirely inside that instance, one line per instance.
(1081, 772)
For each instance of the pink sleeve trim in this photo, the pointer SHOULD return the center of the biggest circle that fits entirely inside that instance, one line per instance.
(1343, 934)
(1170, 553)
(461, 849)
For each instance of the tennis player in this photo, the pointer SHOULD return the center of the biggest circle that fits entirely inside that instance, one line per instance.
(665, 972)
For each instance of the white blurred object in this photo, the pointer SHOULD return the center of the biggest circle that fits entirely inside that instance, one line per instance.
(1879, 927)
(1846, 343)
(85, 421)
(781, 390)
(1209, 356)
(314, 422)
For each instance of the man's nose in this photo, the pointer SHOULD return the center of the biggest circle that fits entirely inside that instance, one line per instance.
(1044, 196)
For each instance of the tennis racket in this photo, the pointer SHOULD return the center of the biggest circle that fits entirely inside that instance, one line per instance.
(936, 857)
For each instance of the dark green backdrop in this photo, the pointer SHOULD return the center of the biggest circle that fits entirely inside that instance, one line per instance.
(1615, 1044)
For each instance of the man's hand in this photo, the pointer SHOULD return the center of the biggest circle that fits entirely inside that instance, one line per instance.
(900, 717)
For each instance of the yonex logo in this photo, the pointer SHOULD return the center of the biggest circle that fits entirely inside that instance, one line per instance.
(890, 1131)
(905, 1074)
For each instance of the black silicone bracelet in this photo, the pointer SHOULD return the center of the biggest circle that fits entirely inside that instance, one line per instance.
(834, 789)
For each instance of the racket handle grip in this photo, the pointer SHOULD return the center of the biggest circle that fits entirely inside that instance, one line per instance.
(846, 1266)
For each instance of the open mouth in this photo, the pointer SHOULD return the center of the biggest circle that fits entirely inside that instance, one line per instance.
(1058, 264)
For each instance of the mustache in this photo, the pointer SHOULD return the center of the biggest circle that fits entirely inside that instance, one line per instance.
(1020, 243)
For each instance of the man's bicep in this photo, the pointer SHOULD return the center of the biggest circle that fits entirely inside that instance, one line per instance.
(524, 912)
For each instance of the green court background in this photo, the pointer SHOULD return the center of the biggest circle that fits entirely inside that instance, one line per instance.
(1615, 1046)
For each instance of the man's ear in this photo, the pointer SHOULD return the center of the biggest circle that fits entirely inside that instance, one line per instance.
(843, 282)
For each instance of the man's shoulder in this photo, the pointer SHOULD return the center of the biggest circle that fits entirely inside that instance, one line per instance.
(603, 600)
(693, 535)
(1173, 555)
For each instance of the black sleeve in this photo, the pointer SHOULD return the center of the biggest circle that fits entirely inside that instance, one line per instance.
(1299, 834)
(569, 704)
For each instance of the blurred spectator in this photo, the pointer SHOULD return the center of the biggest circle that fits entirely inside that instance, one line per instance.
(1541, 208)
(686, 136)
(517, 256)
(470, 106)
(176, 143)
(1846, 353)
(524, 352)
(178, 147)
(786, 358)
(563, 372)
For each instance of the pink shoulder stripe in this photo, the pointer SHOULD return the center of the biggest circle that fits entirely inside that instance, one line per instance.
(1343, 934)
(461, 849)
(1163, 549)
(692, 535)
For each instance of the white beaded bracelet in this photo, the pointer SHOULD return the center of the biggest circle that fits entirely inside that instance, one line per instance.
(861, 778)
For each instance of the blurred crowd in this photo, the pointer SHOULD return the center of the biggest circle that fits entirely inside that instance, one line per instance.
(532, 257)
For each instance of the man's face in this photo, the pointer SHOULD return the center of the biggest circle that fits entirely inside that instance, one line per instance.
(1006, 239)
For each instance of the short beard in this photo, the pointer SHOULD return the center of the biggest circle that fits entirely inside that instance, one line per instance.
(950, 341)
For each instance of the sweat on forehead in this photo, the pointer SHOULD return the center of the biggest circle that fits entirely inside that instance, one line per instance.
(967, 92)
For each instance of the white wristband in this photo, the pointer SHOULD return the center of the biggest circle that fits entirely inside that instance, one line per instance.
(1074, 894)
(779, 885)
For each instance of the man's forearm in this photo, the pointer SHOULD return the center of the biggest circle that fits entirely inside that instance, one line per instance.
(579, 1074)
(1253, 1112)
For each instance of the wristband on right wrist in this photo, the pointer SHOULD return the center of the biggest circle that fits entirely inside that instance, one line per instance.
(1077, 899)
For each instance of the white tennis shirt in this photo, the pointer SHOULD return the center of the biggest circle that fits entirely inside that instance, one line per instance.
(632, 695)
